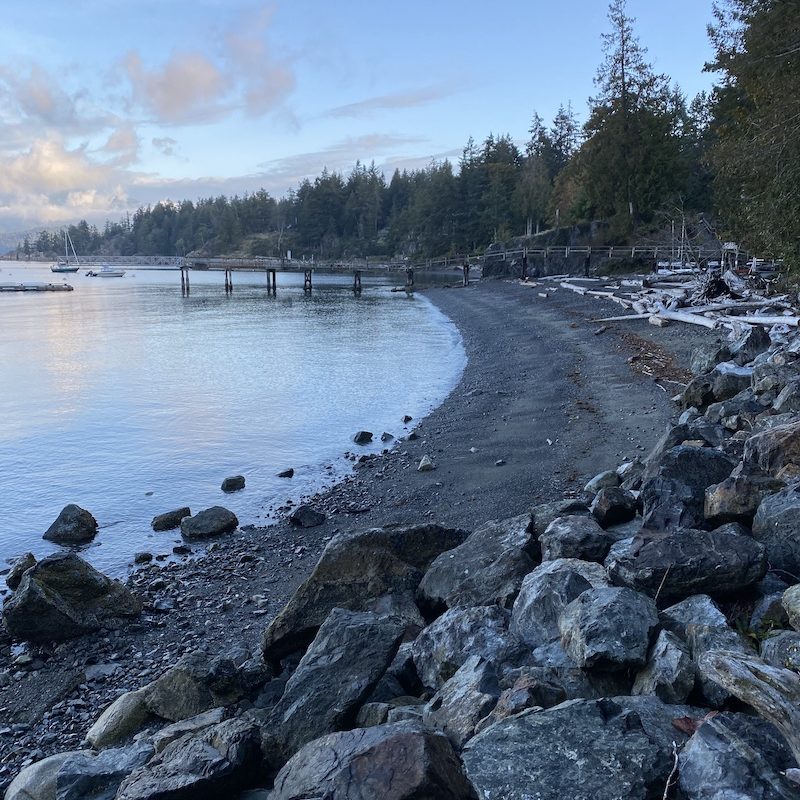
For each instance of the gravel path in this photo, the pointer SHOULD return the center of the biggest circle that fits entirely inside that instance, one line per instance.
(544, 403)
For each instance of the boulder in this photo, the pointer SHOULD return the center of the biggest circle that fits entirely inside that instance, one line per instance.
(705, 639)
(606, 749)
(769, 613)
(74, 525)
(20, 566)
(575, 537)
(736, 756)
(62, 597)
(737, 499)
(234, 483)
(212, 522)
(774, 452)
(342, 666)
(544, 513)
(306, 517)
(669, 673)
(699, 609)
(679, 564)
(769, 378)
(750, 345)
(97, 776)
(286, 473)
(744, 405)
(392, 762)
(791, 602)
(196, 683)
(777, 526)
(730, 379)
(782, 649)
(788, 400)
(459, 633)
(674, 496)
(170, 519)
(487, 568)
(614, 506)
(357, 571)
(544, 595)
(39, 780)
(362, 437)
(705, 357)
(126, 715)
(215, 763)
(604, 480)
(608, 628)
(463, 701)
(192, 725)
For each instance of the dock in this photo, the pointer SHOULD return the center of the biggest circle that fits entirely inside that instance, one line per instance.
(35, 287)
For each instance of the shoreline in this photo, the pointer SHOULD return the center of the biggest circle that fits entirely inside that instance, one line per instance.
(553, 416)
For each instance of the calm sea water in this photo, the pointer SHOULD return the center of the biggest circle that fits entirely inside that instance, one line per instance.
(130, 400)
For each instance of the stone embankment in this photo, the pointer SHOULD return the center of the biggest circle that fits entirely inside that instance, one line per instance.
(638, 640)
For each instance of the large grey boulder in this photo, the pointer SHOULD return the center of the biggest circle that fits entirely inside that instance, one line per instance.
(458, 634)
(74, 525)
(614, 506)
(674, 496)
(198, 682)
(669, 673)
(749, 345)
(544, 595)
(609, 749)
(608, 628)
(126, 715)
(679, 564)
(209, 524)
(774, 452)
(705, 357)
(736, 756)
(335, 676)
(97, 776)
(699, 609)
(62, 597)
(39, 780)
(575, 537)
(487, 568)
(737, 499)
(400, 761)
(215, 763)
(463, 701)
(777, 526)
(358, 572)
(543, 514)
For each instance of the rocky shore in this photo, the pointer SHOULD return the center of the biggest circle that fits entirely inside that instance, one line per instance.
(498, 626)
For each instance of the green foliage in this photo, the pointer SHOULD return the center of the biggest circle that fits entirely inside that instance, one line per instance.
(755, 129)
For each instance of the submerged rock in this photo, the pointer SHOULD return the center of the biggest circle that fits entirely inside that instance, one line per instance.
(170, 519)
(74, 525)
(62, 597)
(362, 437)
(234, 483)
(306, 517)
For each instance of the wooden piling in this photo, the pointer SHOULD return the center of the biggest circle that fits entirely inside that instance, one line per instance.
(307, 281)
(466, 273)
(357, 281)
(409, 279)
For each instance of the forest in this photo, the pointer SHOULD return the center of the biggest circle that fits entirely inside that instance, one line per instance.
(644, 153)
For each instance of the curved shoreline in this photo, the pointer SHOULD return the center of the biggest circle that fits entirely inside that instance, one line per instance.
(552, 415)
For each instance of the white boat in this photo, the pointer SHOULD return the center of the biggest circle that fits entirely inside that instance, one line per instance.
(106, 271)
(63, 265)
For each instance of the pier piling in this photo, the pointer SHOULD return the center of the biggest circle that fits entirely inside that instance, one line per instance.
(357, 281)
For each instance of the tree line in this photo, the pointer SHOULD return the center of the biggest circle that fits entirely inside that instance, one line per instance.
(645, 150)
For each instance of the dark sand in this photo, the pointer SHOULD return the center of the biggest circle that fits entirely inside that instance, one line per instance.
(541, 392)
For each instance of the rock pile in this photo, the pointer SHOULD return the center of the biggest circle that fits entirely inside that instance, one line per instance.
(640, 640)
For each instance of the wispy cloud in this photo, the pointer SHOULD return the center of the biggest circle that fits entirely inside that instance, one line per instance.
(166, 145)
(410, 99)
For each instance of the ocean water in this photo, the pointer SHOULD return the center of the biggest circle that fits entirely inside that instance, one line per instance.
(129, 399)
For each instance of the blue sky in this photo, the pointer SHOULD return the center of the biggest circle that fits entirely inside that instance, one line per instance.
(108, 105)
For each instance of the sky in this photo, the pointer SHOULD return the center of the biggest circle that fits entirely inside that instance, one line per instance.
(110, 105)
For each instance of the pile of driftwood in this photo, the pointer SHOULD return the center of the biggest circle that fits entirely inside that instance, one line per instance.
(710, 299)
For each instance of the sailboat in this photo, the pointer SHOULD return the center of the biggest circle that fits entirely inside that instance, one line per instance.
(63, 265)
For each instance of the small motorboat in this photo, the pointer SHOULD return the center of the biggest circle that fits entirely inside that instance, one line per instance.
(106, 271)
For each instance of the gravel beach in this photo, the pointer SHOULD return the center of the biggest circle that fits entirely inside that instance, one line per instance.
(549, 398)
